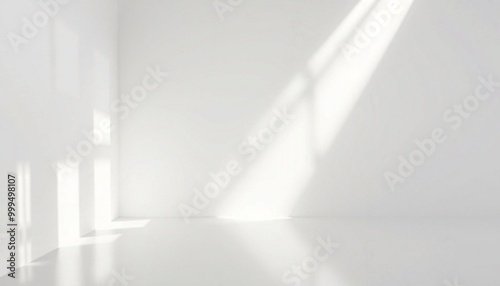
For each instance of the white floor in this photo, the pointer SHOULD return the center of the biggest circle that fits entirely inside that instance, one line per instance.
(211, 252)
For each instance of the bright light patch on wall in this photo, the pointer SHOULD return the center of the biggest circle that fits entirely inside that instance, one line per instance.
(102, 188)
(102, 123)
(68, 206)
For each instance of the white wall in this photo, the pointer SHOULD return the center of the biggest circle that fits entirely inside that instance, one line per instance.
(354, 118)
(60, 83)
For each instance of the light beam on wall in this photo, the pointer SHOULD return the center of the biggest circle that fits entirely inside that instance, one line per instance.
(68, 206)
(321, 97)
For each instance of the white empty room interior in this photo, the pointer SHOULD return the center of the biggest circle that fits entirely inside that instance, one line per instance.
(250, 142)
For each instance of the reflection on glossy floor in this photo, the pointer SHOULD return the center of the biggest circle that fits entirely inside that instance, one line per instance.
(371, 252)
